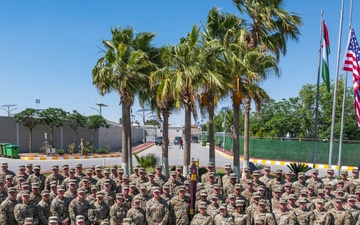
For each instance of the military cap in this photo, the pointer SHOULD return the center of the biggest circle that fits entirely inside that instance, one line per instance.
(181, 188)
(150, 173)
(65, 166)
(72, 181)
(311, 187)
(12, 189)
(249, 181)
(158, 166)
(172, 173)
(37, 167)
(107, 181)
(2, 181)
(267, 168)
(246, 169)
(94, 187)
(288, 184)
(203, 193)
(35, 185)
(292, 196)
(222, 206)
(53, 219)
(261, 187)
(239, 203)
(256, 195)
(61, 188)
(232, 175)
(327, 186)
(232, 196)
(132, 184)
(288, 173)
(256, 173)
(320, 201)
(339, 199)
(340, 191)
(211, 174)
(143, 187)
(178, 168)
(21, 167)
(330, 171)
(303, 192)
(277, 190)
(136, 200)
(9, 176)
(301, 174)
(237, 186)
(81, 190)
(125, 177)
(20, 177)
(25, 184)
(100, 194)
(4, 164)
(214, 197)
(72, 170)
(88, 171)
(78, 165)
(315, 171)
(278, 171)
(80, 218)
(355, 170)
(351, 198)
(210, 164)
(53, 183)
(55, 167)
(104, 222)
(45, 192)
(106, 170)
(113, 167)
(262, 202)
(98, 167)
(282, 201)
(186, 182)
(136, 166)
(85, 179)
(29, 165)
(120, 170)
(156, 189)
(24, 193)
(357, 191)
(321, 191)
(343, 172)
(119, 195)
(28, 221)
(202, 206)
(227, 166)
(340, 182)
(127, 220)
(302, 200)
(125, 187)
(217, 186)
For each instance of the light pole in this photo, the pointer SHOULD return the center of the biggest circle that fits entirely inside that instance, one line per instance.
(8, 108)
(154, 118)
(143, 117)
(224, 109)
(100, 105)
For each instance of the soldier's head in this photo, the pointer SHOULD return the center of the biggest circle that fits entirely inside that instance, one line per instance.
(136, 169)
(72, 172)
(94, 190)
(45, 195)
(223, 209)
(37, 169)
(351, 200)
(315, 173)
(85, 182)
(288, 175)
(143, 190)
(80, 220)
(81, 193)
(302, 202)
(107, 185)
(267, 170)
(158, 169)
(125, 179)
(311, 190)
(166, 189)
(4, 166)
(55, 169)
(53, 186)
(53, 220)
(339, 202)
(120, 171)
(214, 199)
(136, 202)
(256, 174)
(173, 176)
(12, 193)
(277, 192)
(282, 204)
(262, 205)
(261, 190)
(217, 188)
(211, 177)
(355, 173)
(247, 172)
(35, 188)
(178, 171)
(89, 173)
(25, 186)
(60, 191)
(29, 221)
(288, 187)
(301, 177)
(98, 170)
(119, 199)
(344, 174)
(202, 208)
(142, 173)
(72, 185)
(256, 197)
(100, 197)
(357, 194)
(156, 192)
(29, 167)
(278, 174)
(330, 173)
(227, 168)
(328, 188)
(78, 168)
(210, 166)
(65, 169)
(125, 190)
(181, 191)
(292, 199)
(107, 172)
(249, 184)
(320, 204)
(151, 176)
(22, 169)
(25, 197)
(340, 184)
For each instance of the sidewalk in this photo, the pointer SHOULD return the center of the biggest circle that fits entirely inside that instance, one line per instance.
(135, 150)
(282, 163)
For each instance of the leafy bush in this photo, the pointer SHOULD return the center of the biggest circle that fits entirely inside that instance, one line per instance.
(259, 166)
(60, 151)
(102, 151)
(107, 148)
(149, 160)
(71, 148)
(298, 167)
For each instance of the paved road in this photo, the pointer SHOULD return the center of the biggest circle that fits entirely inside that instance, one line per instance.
(176, 156)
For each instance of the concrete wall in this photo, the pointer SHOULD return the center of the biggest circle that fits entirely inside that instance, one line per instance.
(10, 132)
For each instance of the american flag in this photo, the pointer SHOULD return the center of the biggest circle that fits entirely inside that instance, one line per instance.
(352, 64)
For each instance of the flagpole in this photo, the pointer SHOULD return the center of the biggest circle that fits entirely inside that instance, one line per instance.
(317, 90)
(344, 103)
(336, 86)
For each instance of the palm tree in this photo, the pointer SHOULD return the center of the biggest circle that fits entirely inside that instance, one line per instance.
(124, 68)
(268, 30)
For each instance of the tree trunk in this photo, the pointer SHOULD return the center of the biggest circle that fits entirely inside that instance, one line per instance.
(30, 140)
(51, 136)
(165, 144)
(236, 143)
(187, 141)
(211, 135)
(130, 145)
(246, 130)
(125, 140)
(75, 139)
(92, 136)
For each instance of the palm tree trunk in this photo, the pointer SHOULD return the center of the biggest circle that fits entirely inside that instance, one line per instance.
(75, 139)
(165, 144)
(211, 135)
(130, 145)
(51, 136)
(30, 140)
(246, 131)
(236, 143)
(125, 140)
(187, 144)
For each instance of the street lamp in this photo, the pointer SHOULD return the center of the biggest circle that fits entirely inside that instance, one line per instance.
(8, 108)
(143, 117)
(100, 105)
(224, 109)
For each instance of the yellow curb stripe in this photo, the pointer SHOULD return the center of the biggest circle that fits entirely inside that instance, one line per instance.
(76, 157)
(43, 158)
(86, 157)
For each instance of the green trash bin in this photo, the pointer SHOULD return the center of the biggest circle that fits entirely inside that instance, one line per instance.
(203, 143)
(2, 148)
(12, 151)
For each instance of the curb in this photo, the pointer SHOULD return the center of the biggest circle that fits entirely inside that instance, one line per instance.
(134, 151)
(283, 163)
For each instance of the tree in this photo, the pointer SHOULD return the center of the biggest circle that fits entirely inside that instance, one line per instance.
(268, 30)
(124, 68)
(53, 118)
(28, 118)
(75, 121)
(95, 122)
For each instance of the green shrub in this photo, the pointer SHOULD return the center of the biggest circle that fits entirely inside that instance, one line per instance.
(71, 148)
(148, 160)
(60, 151)
(102, 151)
(298, 167)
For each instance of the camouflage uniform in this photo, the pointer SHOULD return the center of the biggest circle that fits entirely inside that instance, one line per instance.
(98, 212)
(137, 215)
(78, 208)
(340, 217)
(35, 198)
(117, 214)
(200, 219)
(179, 210)
(109, 197)
(39, 179)
(22, 211)
(7, 212)
(43, 209)
(323, 216)
(58, 178)
(157, 211)
(223, 220)
(59, 207)
(284, 218)
(268, 218)
(241, 218)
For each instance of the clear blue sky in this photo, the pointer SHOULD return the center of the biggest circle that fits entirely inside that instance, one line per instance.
(48, 48)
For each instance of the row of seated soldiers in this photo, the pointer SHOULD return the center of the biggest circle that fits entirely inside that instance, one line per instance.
(106, 195)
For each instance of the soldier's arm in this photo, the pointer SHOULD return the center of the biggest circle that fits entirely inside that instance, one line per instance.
(270, 219)
(18, 216)
(72, 213)
(348, 219)
(41, 215)
(165, 220)
(3, 216)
